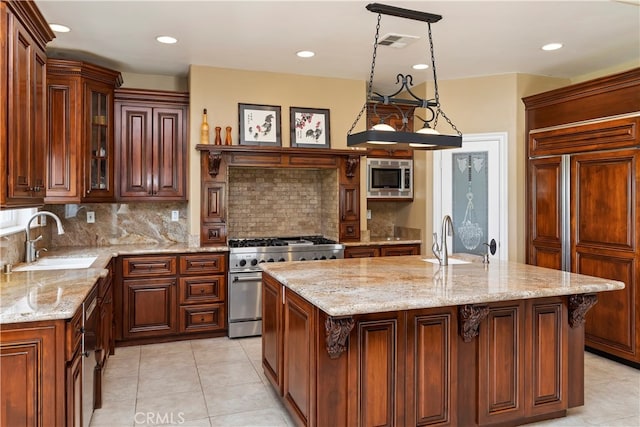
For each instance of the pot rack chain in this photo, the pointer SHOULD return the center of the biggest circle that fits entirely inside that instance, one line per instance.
(435, 86)
(373, 67)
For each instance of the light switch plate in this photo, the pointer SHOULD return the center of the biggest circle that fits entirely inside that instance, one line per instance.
(91, 217)
(368, 213)
(175, 215)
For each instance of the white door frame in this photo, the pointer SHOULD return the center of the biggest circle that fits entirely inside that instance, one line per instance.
(467, 141)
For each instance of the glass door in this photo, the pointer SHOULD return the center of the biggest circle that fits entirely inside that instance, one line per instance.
(99, 142)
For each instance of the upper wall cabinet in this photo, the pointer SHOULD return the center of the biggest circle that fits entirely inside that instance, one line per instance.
(80, 150)
(151, 141)
(23, 128)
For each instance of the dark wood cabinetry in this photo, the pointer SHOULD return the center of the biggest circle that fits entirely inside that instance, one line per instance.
(164, 296)
(394, 116)
(80, 150)
(23, 101)
(381, 250)
(151, 141)
(582, 195)
(415, 367)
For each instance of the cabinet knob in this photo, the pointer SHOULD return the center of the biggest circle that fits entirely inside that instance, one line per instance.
(202, 291)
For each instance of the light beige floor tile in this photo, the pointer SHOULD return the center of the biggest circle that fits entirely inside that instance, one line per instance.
(115, 413)
(228, 373)
(119, 388)
(187, 406)
(205, 356)
(174, 379)
(132, 351)
(155, 366)
(237, 398)
(165, 348)
(272, 417)
(177, 421)
(214, 343)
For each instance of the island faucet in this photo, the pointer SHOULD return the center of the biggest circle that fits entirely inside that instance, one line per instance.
(440, 251)
(30, 245)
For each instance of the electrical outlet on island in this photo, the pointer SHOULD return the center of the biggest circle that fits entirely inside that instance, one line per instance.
(91, 217)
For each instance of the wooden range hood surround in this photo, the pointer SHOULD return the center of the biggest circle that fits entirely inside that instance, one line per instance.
(216, 159)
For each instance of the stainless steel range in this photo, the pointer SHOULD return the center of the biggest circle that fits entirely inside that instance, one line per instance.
(245, 276)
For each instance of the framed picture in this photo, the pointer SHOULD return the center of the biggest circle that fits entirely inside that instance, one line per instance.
(259, 124)
(309, 127)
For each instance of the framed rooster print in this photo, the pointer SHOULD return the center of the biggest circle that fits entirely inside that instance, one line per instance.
(259, 125)
(309, 127)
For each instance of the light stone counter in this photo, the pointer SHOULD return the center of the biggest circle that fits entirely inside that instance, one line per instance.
(372, 285)
(56, 294)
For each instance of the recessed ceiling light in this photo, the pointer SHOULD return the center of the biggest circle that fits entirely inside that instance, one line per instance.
(305, 54)
(167, 39)
(552, 46)
(59, 28)
(420, 66)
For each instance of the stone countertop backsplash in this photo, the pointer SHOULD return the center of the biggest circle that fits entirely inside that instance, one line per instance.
(30, 296)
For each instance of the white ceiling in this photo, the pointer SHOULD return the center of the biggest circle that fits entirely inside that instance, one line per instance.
(474, 38)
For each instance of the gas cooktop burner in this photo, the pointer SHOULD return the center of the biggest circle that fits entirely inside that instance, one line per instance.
(280, 241)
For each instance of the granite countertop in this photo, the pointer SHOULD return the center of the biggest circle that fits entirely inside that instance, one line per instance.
(371, 285)
(56, 294)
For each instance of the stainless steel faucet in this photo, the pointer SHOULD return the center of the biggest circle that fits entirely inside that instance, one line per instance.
(440, 251)
(31, 254)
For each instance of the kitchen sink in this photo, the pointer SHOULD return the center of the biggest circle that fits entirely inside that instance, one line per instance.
(451, 261)
(58, 263)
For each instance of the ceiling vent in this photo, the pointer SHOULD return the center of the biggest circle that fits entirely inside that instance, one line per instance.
(397, 41)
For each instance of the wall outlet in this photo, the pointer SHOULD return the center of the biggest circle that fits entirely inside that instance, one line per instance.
(368, 213)
(175, 215)
(91, 217)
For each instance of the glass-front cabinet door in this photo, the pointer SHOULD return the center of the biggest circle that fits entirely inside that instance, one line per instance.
(99, 142)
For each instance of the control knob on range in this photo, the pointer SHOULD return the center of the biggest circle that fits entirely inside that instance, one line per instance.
(281, 260)
(261, 261)
(270, 260)
(243, 262)
(333, 257)
(303, 259)
(254, 262)
(323, 257)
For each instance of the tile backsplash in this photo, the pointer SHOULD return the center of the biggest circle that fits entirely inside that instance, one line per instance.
(282, 202)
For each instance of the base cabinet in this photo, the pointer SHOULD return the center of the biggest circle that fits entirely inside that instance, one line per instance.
(381, 250)
(417, 367)
(165, 296)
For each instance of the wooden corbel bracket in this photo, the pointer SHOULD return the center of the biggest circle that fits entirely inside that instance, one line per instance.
(337, 331)
(352, 164)
(214, 163)
(578, 307)
(469, 319)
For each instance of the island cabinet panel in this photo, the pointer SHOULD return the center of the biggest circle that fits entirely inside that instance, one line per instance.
(545, 373)
(500, 364)
(272, 334)
(431, 398)
(380, 383)
(299, 351)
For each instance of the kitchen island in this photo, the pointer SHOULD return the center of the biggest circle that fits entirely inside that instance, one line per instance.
(401, 341)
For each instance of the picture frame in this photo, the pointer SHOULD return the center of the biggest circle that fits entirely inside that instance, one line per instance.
(259, 125)
(310, 127)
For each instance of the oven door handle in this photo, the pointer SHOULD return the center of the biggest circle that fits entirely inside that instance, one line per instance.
(247, 279)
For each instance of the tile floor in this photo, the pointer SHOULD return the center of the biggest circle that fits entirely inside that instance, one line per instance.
(178, 384)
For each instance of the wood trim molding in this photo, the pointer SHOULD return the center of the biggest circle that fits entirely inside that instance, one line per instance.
(578, 307)
(336, 332)
(214, 160)
(469, 319)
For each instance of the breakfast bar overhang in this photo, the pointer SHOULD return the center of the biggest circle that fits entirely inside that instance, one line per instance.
(399, 341)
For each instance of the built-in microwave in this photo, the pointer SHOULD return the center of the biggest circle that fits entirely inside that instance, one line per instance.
(389, 178)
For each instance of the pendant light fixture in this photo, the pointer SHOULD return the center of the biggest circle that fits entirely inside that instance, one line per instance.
(427, 138)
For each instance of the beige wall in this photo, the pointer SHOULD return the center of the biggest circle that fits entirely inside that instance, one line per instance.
(155, 82)
(220, 90)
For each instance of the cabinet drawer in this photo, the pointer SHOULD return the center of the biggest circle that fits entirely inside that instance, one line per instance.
(149, 266)
(361, 252)
(73, 334)
(399, 250)
(200, 318)
(202, 263)
(201, 289)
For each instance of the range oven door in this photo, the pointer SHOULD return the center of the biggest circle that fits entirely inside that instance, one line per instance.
(245, 304)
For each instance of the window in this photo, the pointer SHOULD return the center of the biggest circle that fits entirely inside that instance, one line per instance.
(14, 220)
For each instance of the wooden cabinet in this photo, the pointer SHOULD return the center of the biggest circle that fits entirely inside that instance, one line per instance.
(151, 141)
(400, 117)
(105, 331)
(272, 334)
(80, 150)
(381, 250)
(202, 289)
(165, 296)
(23, 128)
(582, 195)
(349, 199)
